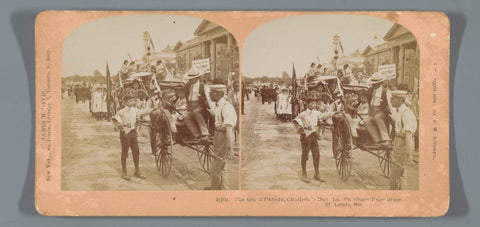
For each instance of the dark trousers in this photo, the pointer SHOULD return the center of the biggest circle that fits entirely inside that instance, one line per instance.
(129, 141)
(309, 143)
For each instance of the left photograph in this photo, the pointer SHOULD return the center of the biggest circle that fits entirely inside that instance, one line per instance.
(150, 102)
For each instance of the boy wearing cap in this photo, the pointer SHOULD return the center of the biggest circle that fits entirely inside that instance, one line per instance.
(125, 120)
(405, 127)
(307, 121)
(225, 120)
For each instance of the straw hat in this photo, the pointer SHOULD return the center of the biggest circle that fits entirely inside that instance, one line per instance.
(192, 73)
(376, 78)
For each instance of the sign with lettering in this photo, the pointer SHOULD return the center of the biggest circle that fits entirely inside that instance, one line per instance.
(203, 65)
(387, 71)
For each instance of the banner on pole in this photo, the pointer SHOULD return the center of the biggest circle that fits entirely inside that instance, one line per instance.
(387, 71)
(203, 65)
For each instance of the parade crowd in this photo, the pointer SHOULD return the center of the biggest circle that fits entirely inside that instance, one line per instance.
(385, 116)
(94, 94)
(194, 105)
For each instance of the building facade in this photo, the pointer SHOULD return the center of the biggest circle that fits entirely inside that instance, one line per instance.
(186, 53)
(400, 48)
(215, 43)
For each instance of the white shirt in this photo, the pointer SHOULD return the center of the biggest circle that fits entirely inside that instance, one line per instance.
(377, 97)
(195, 92)
(311, 72)
(405, 120)
(124, 69)
(363, 110)
(225, 113)
(309, 119)
(127, 117)
(353, 80)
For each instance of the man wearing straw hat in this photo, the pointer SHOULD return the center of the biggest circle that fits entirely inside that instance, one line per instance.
(405, 127)
(378, 97)
(225, 120)
(198, 99)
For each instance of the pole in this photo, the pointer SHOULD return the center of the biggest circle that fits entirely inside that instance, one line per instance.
(109, 92)
(294, 91)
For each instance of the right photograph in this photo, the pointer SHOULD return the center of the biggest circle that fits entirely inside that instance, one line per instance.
(330, 102)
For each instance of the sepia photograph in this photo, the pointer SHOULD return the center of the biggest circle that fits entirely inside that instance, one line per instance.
(331, 102)
(242, 113)
(150, 102)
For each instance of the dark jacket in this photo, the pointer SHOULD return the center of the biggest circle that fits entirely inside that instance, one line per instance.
(202, 98)
(383, 103)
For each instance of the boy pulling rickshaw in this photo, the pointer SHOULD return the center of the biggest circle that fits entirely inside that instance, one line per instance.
(361, 119)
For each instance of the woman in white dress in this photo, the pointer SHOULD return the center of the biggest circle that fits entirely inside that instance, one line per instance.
(103, 106)
(284, 107)
(97, 99)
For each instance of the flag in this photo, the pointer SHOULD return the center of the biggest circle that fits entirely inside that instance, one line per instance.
(229, 80)
(109, 91)
(294, 90)
(151, 42)
(294, 80)
(340, 42)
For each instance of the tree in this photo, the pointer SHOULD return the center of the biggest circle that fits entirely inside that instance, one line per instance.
(286, 79)
(97, 73)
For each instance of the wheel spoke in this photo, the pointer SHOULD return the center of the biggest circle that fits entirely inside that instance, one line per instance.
(385, 161)
(339, 167)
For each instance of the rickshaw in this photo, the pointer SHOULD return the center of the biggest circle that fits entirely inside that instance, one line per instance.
(165, 129)
(171, 132)
(346, 134)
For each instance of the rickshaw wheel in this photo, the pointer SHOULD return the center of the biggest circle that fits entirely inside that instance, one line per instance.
(342, 147)
(204, 158)
(164, 161)
(163, 154)
(385, 165)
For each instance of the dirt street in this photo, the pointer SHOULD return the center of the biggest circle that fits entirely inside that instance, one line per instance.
(271, 157)
(91, 158)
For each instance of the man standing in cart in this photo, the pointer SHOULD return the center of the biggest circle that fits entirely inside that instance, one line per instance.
(405, 127)
(310, 73)
(225, 120)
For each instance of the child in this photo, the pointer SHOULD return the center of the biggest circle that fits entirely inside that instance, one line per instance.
(362, 111)
(307, 122)
(181, 104)
(125, 120)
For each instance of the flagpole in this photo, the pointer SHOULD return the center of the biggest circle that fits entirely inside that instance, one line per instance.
(294, 91)
(109, 91)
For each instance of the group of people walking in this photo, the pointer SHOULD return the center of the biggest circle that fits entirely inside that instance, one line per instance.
(92, 93)
(98, 103)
